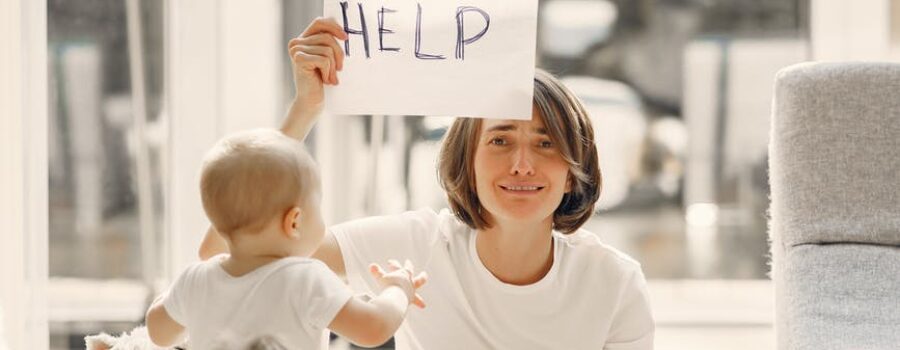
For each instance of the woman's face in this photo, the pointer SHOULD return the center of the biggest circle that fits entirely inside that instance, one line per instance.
(519, 172)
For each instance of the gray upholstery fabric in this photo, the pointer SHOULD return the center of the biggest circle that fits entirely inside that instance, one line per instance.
(835, 154)
(840, 296)
(834, 170)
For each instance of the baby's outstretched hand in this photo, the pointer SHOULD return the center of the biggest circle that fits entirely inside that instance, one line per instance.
(402, 276)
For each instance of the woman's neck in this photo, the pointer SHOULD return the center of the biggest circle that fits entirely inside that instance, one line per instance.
(516, 253)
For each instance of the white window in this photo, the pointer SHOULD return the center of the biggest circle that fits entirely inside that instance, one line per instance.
(23, 190)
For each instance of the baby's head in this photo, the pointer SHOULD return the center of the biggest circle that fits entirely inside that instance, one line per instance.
(260, 182)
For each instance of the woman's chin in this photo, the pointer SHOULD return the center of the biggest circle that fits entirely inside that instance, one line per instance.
(520, 214)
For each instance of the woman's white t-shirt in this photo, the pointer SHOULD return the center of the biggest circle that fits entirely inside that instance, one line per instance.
(594, 297)
(292, 300)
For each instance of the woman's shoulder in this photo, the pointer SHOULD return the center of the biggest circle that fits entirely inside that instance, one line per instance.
(422, 219)
(425, 219)
(586, 247)
(426, 216)
(450, 221)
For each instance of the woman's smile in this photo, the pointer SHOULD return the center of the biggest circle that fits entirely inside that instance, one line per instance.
(522, 189)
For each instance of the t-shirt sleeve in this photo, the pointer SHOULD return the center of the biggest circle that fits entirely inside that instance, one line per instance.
(322, 297)
(175, 300)
(410, 235)
(632, 326)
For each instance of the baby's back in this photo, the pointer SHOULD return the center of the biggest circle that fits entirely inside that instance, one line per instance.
(292, 300)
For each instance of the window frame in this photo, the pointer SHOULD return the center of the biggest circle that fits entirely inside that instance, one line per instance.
(23, 183)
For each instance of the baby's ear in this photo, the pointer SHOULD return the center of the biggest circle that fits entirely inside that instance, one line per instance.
(291, 222)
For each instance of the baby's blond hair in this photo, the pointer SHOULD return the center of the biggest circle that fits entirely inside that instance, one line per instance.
(250, 177)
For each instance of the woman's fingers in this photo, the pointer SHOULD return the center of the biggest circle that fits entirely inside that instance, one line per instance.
(311, 57)
(319, 40)
(324, 52)
(325, 25)
(325, 40)
(314, 62)
(293, 42)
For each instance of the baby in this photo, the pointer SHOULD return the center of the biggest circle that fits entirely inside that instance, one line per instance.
(260, 190)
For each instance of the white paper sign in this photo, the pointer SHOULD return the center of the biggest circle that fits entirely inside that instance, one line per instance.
(472, 58)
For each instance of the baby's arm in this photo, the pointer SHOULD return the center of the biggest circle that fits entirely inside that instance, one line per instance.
(372, 323)
(163, 330)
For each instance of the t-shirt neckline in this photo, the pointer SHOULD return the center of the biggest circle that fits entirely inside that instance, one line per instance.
(219, 259)
(486, 274)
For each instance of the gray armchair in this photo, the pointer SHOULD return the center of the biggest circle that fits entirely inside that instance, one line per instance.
(834, 160)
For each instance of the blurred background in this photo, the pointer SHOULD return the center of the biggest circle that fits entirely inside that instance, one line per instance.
(679, 92)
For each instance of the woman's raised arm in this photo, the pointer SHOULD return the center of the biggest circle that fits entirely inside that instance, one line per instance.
(316, 58)
(213, 244)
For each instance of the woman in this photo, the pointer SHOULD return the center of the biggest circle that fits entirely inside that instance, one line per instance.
(508, 266)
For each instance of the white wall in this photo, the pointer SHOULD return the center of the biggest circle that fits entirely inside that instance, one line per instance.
(851, 30)
(223, 74)
(23, 181)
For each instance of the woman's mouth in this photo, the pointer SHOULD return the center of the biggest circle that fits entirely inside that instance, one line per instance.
(524, 189)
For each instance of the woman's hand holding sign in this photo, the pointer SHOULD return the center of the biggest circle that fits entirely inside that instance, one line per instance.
(316, 58)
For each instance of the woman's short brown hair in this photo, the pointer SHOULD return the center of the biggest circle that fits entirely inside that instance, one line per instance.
(569, 127)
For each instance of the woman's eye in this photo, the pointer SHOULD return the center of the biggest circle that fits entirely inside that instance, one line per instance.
(498, 141)
(546, 144)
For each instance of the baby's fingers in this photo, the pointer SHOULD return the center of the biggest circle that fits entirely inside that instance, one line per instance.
(418, 301)
(376, 271)
(420, 280)
(395, 265)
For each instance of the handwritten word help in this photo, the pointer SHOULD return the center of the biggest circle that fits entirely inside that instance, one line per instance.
(384, 30)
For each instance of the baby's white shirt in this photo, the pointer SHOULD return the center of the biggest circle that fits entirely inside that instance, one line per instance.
(292, 299)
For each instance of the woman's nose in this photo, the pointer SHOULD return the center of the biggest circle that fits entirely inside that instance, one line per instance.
(522, 162)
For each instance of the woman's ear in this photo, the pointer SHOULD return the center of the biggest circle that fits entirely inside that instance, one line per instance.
(291, 222)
